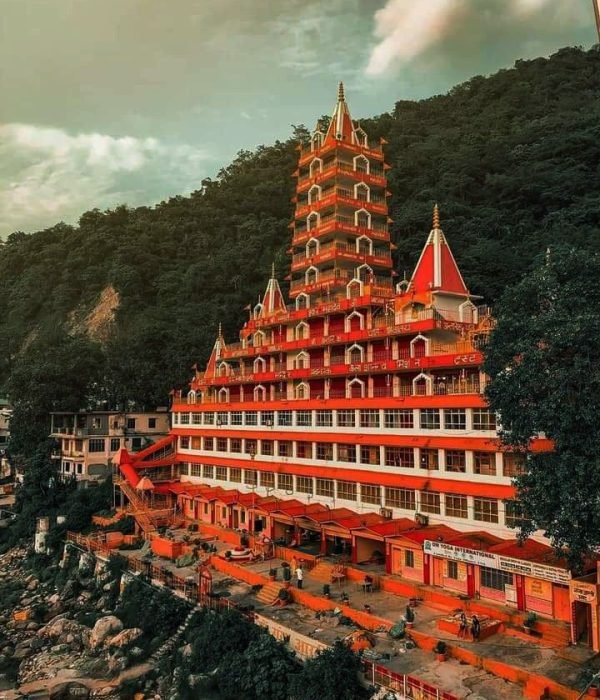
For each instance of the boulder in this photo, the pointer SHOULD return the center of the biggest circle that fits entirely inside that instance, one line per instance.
(69, 691)
(105, 627)
(125, 637)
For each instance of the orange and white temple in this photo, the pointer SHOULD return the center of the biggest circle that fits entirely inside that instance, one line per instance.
(352, 419)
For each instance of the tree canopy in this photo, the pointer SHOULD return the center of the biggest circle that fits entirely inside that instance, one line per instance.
(544, 362)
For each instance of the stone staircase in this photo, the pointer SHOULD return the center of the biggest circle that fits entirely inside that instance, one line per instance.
(321, 572)
(170, 645)
(269, 592)
(140, 512)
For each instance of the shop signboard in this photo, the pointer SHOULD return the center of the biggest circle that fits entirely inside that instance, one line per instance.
(497, 561)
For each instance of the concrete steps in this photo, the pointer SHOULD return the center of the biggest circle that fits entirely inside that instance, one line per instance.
(171, 644)
(321, 572)
(268, 593)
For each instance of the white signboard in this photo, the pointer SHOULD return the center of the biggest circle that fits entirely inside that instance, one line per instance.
(497, 561)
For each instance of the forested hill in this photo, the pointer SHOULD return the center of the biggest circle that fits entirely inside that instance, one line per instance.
(512, 159)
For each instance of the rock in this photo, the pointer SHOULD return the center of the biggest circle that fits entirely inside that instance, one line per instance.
(69, 690)
(60, 649)
(104, 628)
(186, 651)
(125, 637)
(33, 626)
(117, 664)
(32, 585)
(136, 652)
(53, 599)
(106, 587)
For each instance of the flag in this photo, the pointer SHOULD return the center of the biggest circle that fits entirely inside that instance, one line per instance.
(248, 308)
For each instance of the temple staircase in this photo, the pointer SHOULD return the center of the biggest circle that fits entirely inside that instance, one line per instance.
(140, 510)
(321, 572)
(269, 592)
(171, 644)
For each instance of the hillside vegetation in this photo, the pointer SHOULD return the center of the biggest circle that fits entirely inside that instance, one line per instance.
(512, 159)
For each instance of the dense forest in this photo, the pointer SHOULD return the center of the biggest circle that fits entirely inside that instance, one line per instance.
(513, 160)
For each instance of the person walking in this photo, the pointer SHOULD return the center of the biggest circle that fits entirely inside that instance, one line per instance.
(462, 626)
(475, 628)
(299, 576)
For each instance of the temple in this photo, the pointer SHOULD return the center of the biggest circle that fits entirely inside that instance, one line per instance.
(352, 420)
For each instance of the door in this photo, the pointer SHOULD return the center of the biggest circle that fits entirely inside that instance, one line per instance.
(470, 580)
(519, 582)
(438, 572)
(583, 623)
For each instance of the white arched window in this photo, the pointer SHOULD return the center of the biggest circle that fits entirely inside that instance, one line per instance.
(311, 276)
(312, 247)
(316, 167)
(316, 140)
(302, 360)
(467, 312)
(259, 338)
(191, 397)
(362, 219)
(302, 301)
(313, 220)
(260, 393)
(360, 137)
(419, 346)
(364, 273)
(259, 365)
(354, 322)
(361, 164)
(302, 391)
(422, 385)
(301, 331)
(362, 192)
(223, 369)
(354, 289)
(223, 395)
(314, 194)
(355, 354)
(364, 245)
(355, 389)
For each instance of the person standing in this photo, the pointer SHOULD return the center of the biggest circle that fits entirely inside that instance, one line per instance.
(462, 626)
(475, 628)
(299, 576)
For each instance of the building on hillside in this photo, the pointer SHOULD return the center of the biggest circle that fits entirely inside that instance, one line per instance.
(87, 440)
(6, 468)
(353, 421)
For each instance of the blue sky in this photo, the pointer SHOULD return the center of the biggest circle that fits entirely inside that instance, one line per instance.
(133, 101)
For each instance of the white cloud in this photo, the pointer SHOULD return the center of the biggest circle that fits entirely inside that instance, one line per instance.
(406, 29)
(47, 174)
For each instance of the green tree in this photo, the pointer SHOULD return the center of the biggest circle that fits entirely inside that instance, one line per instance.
(544, 362)
(264, 670)
(331, 675)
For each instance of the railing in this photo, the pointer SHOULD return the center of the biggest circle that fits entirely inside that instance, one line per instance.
(375, 174)
(342, 249)
(345, 223)
(409, 686)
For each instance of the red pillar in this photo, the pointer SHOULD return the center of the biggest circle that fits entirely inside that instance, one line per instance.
(388, 559)
(323, 542)
(353, 551)
(520, 586)
(426, 569)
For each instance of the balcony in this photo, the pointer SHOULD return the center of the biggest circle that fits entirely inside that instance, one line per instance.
(331, 146)
(337, 250)
(374, 178)
(342, 224)
(375, 204)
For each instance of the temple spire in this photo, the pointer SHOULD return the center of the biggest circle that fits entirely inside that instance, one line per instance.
(272, 301)
(341, 127)
(436, 216)
(341, 96)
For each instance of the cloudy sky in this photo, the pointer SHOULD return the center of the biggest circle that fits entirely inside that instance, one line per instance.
(111, 101)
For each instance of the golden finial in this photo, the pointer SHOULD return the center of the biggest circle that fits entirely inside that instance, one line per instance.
(220, 331)
(272, 270)
(341, 96)
(436, 216)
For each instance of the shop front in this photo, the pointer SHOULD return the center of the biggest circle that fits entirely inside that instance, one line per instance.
(583, 593)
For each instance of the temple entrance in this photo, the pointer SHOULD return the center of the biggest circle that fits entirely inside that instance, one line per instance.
(583, 623)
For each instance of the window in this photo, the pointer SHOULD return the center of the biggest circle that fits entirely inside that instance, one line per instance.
(285, 482)
(115, 444)
(304, 450)
(325, 488)
(369, 454)
(209, 418)
(409, 559)
(456, 461)
(136, 443)
(196, 470)
(400, 457)
(452, 570)
(398, 418)
(430, 459)
(346, 419)
(235, 475)
(513, 464)
(513, 514)
(131, 422)
(236, 418)
(222, 418)
(369, 418)
(486, 510)
(250, 418)
(184, 442)
(152, 423)
(250, 447)
(284, 418)
(266, 447)
(324, 419)
(483, 419)
(304, 484)
(221, 444)
(221, 473)
(250, 477)
(484, 463)
(455, 419)
(196, 418)
(370, 493)
(267, 418)
(494, 578)
(284, 448)
(208, 471)
(324, 450)
(209, 444)
(196, 443)
(430, 502)
(304, 418)
(456, 506)
(347, 453)
(235, 445)
(184, 418)
(430, 419)
(267, 480)
(346, 490)
(400, 498)
(96, 445)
